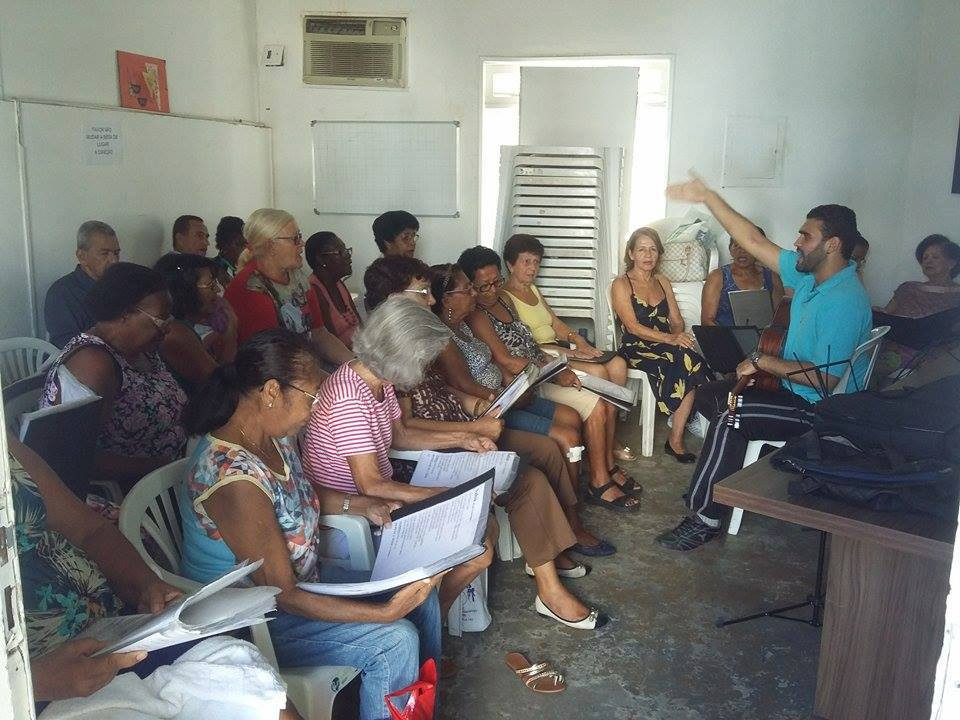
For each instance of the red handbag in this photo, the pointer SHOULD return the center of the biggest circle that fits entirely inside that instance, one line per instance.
(423, 696)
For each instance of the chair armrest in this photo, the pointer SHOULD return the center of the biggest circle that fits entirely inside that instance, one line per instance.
(359, 541)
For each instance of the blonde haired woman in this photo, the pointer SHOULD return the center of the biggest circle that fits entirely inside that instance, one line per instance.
(273, 290)
(653, 335)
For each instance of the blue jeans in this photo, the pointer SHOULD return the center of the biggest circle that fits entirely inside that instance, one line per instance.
(535, 417)
(388, 655)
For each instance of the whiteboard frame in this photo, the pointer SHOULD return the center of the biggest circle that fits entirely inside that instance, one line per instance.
(313, 162)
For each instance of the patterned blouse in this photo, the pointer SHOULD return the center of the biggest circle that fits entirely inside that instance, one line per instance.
(517, 336)
(479, 358)
(146, 411)
(63, 590)
(217, 463)
(433, 400)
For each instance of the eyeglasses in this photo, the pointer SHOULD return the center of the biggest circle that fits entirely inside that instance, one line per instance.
(469, 290)
(418, 291)
(215, 284)
(408, 238)
(161, 323)
(492, 285)
(315, 399)
(295, 239)
(346, 252)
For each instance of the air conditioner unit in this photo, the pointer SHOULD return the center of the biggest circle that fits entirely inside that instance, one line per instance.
(365, 51)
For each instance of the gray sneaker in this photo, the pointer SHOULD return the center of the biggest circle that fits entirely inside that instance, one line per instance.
(690, 534)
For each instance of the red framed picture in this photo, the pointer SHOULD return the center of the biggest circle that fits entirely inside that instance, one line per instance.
(143, 82)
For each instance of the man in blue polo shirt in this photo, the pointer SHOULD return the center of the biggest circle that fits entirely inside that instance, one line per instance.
(829, 317)
(65, 310)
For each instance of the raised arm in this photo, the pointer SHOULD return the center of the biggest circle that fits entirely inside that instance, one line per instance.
(747, 235)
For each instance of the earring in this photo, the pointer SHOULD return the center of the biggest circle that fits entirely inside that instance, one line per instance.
(449, 314)
(269, 404)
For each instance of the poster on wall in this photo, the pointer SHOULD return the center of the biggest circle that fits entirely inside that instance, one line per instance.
(143, 82)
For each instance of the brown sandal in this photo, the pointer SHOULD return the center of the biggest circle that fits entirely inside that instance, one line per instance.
(539, 677)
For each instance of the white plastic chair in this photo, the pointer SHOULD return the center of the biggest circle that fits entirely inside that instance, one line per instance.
(152, 505)
(872, 346)
(21, 397)
(21, 357)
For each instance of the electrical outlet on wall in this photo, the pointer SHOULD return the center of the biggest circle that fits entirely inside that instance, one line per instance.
(272, 55)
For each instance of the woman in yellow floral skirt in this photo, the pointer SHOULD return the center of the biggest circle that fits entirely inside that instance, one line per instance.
(654, 339)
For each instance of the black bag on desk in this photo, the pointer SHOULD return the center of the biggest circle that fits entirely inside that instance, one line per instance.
(834, 468)
(907, 423)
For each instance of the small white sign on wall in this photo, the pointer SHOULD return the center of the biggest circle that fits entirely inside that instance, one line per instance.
(753, 151)
(101, 143)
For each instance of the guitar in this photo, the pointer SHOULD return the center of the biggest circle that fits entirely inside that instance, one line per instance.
(771, 342)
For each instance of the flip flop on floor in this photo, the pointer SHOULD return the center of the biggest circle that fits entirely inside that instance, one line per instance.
(594, 496)
(624, 453)
(539, 677)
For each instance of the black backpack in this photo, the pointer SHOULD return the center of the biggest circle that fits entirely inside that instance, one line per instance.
(890, 450)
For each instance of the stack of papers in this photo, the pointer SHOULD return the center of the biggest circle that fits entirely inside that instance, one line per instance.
(213, 609)
(530, 377)
(616, 395)
(423, 539)
(449, 469)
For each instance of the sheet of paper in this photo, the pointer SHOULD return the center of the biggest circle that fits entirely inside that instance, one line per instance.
(439, 469)
(616, 395)
(432, 533)
(550, 370)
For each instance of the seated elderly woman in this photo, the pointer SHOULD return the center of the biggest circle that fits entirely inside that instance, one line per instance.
(653, 336)
(742, 273)
(396, 233)
(939, 260)
(76, 568)
(330, 261)
(358, 419)
(466, 363)
(495, 323)
(246, 497)
(117, 359)
(272, 290)
(190, 347)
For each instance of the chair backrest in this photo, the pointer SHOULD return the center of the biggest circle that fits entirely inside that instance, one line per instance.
(21, 397)
(22, 357)
(65, 436)
(871, 346)
(152, 506)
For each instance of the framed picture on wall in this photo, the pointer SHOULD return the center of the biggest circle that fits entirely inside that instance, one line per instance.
(956, 167)
(143, 82)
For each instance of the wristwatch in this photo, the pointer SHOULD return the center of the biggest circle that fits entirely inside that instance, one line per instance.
(755, 359)
(346, 503)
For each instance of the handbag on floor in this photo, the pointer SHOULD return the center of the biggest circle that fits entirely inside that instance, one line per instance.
(423, 696)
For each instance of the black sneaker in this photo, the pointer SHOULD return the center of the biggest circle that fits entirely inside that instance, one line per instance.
(690, 534)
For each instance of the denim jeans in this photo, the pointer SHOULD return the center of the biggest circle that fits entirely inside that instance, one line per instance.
(388, 655)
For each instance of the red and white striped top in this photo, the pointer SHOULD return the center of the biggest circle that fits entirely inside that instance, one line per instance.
(347, 421)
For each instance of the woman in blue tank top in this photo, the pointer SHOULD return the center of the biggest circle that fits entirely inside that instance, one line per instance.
(743, 273)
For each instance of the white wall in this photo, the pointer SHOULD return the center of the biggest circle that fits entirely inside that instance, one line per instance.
(930, 207)
(65, 52)
(843, 73)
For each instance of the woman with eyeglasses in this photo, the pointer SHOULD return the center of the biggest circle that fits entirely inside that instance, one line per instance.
(246, 497)
(272, 290)
(191, 348)
(331, 262)
(117, 359)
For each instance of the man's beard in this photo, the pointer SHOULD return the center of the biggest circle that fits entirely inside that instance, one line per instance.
(808, 263)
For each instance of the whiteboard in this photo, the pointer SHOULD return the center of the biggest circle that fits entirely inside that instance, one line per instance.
(167, 166)
(369, 167)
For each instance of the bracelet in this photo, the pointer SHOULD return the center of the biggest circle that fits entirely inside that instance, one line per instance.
(346, 503)
(476, 407)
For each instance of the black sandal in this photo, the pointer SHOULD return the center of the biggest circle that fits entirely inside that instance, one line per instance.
(630, 486)
(594, 496)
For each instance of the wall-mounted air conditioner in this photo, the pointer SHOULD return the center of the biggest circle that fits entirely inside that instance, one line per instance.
(365, 51)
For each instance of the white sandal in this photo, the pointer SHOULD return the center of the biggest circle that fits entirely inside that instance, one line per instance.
(593, 621)
(577, 571)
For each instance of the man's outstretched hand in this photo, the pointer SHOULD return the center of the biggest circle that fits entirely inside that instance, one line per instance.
(691, 191)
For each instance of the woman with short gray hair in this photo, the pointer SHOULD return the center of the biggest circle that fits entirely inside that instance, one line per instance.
(356, 419)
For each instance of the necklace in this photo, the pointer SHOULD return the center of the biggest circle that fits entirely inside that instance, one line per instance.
(263, 452)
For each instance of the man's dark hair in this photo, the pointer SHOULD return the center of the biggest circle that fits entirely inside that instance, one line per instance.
(472, 259)
(521, 243)
(949, 247)
(388, 275)
(318, 242)
(837, 221)
(392, 223)
(122, 287)
(229, 229)
(182, 224)
(181, 273)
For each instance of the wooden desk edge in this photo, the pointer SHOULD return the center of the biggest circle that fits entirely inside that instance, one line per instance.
(834, 524)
